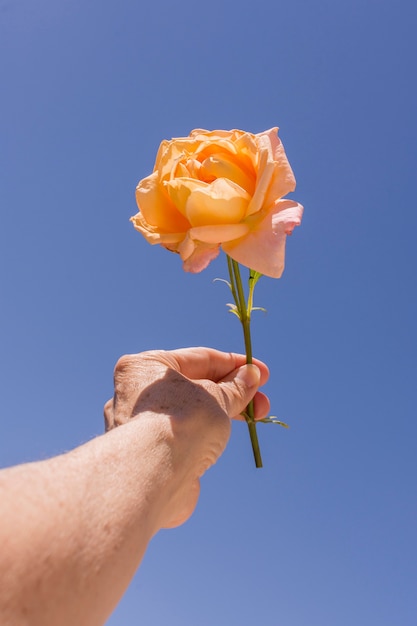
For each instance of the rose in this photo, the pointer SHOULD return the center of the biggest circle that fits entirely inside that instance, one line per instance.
(223, 189)
(220, 189)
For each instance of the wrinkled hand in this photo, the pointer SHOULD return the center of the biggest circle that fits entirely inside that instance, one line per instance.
(189, 395)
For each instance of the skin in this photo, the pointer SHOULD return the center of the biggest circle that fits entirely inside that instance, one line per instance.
(74, 528)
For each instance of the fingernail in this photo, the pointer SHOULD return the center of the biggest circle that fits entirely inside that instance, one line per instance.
(250, 375)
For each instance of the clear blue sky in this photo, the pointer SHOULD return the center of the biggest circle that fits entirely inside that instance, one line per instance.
(325, 534)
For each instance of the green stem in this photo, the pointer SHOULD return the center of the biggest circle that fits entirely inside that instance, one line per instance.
(232, 279)
(244, 311)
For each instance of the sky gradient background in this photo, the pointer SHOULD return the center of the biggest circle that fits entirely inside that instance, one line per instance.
(325, 534)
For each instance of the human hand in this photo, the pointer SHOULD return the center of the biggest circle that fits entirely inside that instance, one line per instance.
(188, 396)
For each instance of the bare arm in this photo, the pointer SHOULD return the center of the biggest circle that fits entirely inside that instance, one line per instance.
(74, 529)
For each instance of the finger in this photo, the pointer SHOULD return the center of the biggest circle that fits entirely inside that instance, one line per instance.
(200, 363)
(261, 407)
(238, 389)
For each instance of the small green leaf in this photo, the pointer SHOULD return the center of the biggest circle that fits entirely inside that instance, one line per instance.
(223, 280)
(233, 309)
(272, 419)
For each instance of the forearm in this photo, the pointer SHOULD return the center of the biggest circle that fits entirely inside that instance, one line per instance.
(74, 528)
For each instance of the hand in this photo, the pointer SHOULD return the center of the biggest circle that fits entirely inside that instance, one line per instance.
(188, 396)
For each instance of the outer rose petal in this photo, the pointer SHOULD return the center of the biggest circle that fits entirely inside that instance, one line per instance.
(265, 173)
(283, 180)
(275, 176)
(197, 255)
(152, 234)
(263, 249)
(157, 208)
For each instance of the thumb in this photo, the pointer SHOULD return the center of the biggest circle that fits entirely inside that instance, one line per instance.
(238, 389)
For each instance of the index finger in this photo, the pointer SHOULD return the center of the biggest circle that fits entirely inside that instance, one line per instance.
(211, 364)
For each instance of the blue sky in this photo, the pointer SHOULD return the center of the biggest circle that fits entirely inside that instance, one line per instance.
(325, 534)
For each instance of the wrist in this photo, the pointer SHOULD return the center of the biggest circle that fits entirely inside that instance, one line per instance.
(157, 452)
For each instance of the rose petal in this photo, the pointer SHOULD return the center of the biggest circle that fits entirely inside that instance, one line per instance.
(221, 202)
(247, 151)
(186, 247)
(152, 234)
(230, 167)
(219, 233)
(157, 208)
(265, 172)
(283, 180)
(202, 255)
(263, 249)
(182, 171)
(179, 190)
(171, 153)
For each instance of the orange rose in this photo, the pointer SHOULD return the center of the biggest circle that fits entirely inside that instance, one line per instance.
(220, 189)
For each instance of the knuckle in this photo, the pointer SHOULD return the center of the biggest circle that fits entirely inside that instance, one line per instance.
(123, 363)
(129, 362)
